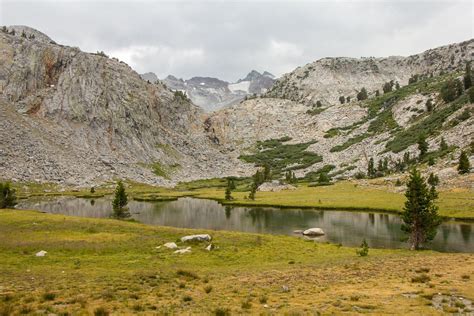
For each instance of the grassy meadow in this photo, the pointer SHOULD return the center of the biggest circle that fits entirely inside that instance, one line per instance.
(105, 266)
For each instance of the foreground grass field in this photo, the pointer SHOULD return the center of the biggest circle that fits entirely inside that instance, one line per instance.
(106, 266)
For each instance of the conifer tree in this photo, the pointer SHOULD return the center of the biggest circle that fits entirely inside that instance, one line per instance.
(443, 145)
(120, 202)
(7, 196)
(253, 191)
(362, 95)
(342, 99)
(371, 168)
(420, 216)
(422, 146)
(228, 192)
(464, 165)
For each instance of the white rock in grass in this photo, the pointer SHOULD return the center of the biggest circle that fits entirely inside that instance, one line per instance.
(313, 232)
(210, 247)
(170, 245)
(41, 253)
(201, 237)
(183, 251)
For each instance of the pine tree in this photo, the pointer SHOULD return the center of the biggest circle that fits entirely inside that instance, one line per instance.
(348, 99)
(323, 178)
(397, 86)
(371, 168)
(342, 99)
(420, 216)
(120, 202)
(468, 76)
(464, 165)
(266, 172)
(377, 93)
(443, 145)
(429, 105)
(253, 191)
(380, 165)
(228, 192)
(422, 146)
(294, 179)
(362, 95)
(433, 180)
(7, 196)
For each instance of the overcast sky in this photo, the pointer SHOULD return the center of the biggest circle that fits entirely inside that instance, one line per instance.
(227, 39)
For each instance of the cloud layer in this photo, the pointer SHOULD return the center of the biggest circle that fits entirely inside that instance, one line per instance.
(227, 39)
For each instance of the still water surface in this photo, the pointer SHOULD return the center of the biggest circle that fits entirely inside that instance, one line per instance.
(347, 228)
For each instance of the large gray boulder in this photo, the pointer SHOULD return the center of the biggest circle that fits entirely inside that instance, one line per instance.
(201, 237)
(314, 232)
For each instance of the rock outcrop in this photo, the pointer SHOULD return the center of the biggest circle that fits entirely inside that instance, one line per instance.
(77, 118)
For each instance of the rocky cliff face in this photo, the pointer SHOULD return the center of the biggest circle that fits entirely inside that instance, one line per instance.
(72, 117)
(84, 118)
(348, 135)
(327, 79)
(212, 94)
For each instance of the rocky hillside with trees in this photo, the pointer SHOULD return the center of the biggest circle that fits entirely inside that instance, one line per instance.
(73, 117)
(79, 118)
(353, 111)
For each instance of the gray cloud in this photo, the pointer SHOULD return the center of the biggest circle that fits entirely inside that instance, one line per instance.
(227, 39)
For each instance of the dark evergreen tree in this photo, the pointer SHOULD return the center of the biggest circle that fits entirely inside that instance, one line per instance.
(420, 216)
(422, 146)
(380, 165)
(471, 94)
(266, 172)
(443, 145)
(377, 93)
(388, 86)
(464, 165)
(319, 104)
(348, 99)
(362, 95)
(232, 184)
(253, 191)
(342, 99)
(371, 168)
(397, 85)
(433, 180)
(323, 178)
(7, 196)
(228, 192)
(468, 76)
(429, 105)
(120, 202)
(451, 90)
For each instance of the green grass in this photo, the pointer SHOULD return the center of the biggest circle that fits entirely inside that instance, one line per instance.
(95, 266)
(280, 156)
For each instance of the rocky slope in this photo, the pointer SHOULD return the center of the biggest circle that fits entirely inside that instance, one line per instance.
(212, 94)
(69, 116)
(347, 135)
(327, 79)
(77, 118)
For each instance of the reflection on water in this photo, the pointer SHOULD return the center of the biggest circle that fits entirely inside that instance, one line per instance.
(348, 228)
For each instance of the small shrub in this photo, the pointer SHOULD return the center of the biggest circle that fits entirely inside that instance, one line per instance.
(360, 175)
(208, 289)
(182, 285)
(466, 277)
(187, 298)
(263, 299)
(422, 278)
(364, 249)
(187, 274)
(222, 311)
(247, 304)
(101, 311)
(48, 296)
